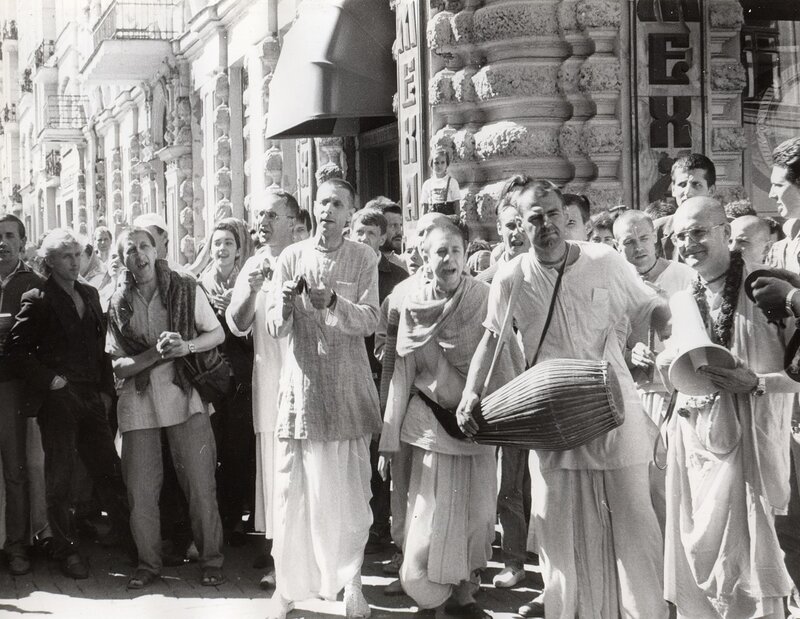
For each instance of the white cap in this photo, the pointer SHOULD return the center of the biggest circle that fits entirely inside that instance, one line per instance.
(151, 219)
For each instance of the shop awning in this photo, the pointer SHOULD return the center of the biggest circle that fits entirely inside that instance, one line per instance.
(334, 69)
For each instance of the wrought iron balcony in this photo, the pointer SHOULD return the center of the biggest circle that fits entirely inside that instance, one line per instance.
(131, 40)
(136, 20)
(26, 84)
(64, 118)
(10, 29)
(43, 52)
(52, 163)
(10, 113)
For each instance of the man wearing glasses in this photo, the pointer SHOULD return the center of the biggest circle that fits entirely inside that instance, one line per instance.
(727, 464)
(247, 314)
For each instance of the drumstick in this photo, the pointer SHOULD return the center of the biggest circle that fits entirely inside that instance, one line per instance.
(507, 324)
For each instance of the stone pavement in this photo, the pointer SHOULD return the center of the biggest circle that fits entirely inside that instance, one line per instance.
(46, 593)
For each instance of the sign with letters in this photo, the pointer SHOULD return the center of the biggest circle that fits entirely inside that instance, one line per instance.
(668, 90)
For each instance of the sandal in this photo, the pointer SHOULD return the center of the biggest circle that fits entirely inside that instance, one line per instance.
(142, 579)
(212, 577)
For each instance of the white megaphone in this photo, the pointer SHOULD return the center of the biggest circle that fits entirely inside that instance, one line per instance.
(693, 348)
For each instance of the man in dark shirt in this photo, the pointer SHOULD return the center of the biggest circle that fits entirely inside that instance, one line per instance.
(15, 279)
(57, 347)
(369, 226)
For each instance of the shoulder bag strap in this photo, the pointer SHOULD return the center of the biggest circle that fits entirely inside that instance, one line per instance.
(552, 306)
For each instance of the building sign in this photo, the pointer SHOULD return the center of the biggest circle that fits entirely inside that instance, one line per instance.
(668, 90)
(410, 105)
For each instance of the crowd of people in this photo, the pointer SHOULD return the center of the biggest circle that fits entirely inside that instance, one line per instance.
(317, 383)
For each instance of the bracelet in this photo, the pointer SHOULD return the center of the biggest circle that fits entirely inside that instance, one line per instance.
(788, 301)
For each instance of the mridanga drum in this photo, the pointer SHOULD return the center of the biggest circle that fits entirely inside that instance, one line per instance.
(556, 405)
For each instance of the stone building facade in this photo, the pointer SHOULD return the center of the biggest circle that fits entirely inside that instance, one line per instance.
(112, 108)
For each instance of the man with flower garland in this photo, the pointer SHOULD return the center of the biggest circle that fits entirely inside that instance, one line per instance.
(728, 465)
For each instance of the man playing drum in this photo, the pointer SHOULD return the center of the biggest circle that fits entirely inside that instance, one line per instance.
(600, 543)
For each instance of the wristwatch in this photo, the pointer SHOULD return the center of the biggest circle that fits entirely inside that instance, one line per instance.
(788, 302)
(192, 349)
(761, 387)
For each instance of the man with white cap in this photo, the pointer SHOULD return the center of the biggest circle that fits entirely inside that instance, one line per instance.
(157, 226)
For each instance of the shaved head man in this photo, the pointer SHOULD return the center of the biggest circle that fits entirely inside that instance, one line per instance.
(750, 235)
(699, 224)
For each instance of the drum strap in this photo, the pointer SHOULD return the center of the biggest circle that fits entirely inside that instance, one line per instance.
(445, 417)
(552, 306)
(673, 398)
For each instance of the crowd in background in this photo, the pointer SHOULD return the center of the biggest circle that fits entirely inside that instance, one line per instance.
(312, 379)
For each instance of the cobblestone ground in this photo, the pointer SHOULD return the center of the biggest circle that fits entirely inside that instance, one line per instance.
(179, 595)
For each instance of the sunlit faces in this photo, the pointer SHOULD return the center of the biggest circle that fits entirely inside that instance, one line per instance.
(102, 241)
(543, 218)
(689, 184)
(750, 235)
(701, 237)
(333, 208)
(509, 226)
(11, 243)
(785, 193)
(444, 253)
(367, 235)
(223, 248)
(439, 165)
(140, 256)
(65, 262)
(637, 242)
(574, 229)
(273, 222)
(394, 232)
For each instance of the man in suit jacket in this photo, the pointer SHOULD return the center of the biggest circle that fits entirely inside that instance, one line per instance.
(57, 346)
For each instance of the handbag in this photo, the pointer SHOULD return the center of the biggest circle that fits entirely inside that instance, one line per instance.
(210, 374)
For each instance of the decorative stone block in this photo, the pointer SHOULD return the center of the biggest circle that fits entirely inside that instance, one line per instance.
(602, 137)
(509, 139)
(463, 85)
(501, 21)
(600, 74)
(463, 26)
(224, 210)
(570, 140)
(727, 75)
(441, 87)
(567, 16)
(725, 14)
(728, 139)
(463, 145)
(440, 31)
(602, 14)
(516, 80)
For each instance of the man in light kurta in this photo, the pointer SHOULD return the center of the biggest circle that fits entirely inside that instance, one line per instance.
(452, 488)
(636, 240)
(728, 456)
(326, 302)
(600, 544)
(247, 314)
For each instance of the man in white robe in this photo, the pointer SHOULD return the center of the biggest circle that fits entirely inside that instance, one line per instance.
(247, 314)
(728, 455)
(600, 544)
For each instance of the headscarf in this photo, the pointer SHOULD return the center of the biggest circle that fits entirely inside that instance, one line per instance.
(247, 247)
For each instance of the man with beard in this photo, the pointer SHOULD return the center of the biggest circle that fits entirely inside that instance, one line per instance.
(727, 465)
(326, 302)
(600, 543)
(392, 248)
(247, 314)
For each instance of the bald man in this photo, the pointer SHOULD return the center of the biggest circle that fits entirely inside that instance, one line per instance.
(727, 462)
(750, 235)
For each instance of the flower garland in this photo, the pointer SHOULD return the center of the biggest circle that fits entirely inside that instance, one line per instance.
(722, 330)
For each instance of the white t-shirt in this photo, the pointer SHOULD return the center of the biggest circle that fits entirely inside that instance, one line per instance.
(436, 190)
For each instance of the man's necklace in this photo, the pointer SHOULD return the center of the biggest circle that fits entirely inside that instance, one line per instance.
(644, 273)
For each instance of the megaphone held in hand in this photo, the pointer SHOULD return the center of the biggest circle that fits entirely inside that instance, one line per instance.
(693, 348)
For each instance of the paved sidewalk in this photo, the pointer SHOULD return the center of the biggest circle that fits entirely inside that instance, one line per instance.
(46, 593)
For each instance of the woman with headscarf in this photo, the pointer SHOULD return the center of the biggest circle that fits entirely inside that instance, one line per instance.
(452, 490)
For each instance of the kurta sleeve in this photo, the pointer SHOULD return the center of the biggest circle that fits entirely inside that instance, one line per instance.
(360, 317)
(241, 291)
(277, 326)
(397, 403)
(382, 328)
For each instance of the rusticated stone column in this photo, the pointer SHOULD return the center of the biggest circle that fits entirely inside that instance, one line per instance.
(222, 149)
(727, 79)
(117, 202)
(273, 156)
(600, 79)
(100, 192)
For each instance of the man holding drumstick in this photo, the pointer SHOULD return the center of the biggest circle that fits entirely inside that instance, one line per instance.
(600, 540)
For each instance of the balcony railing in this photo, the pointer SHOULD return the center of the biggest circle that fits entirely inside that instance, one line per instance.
(10, 113)
(52, 163)
(9, 29)
(136, 20)
(43, 52)
(65, 112)
(26, 84)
